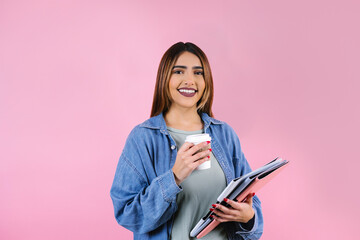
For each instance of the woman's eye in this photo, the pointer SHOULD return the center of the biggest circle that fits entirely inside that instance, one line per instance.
(199, 73)
(178, 72)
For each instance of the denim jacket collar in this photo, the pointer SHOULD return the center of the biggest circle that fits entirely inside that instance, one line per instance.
(158, 122)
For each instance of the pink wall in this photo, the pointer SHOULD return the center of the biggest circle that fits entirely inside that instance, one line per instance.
(77, 76)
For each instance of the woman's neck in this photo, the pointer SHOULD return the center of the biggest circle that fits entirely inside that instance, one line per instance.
(183, 120)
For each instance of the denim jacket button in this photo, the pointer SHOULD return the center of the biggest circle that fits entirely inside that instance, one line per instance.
(173, 147)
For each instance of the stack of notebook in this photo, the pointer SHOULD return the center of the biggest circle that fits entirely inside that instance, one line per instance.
(237, 190)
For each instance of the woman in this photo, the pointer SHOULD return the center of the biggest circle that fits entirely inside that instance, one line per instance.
(157, 192)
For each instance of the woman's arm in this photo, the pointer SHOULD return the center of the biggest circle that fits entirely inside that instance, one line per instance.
(141, 205)
(144, 200)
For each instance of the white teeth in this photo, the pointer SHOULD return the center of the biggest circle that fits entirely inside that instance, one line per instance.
(186, 91)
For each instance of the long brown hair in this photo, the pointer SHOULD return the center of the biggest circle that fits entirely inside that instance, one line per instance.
(161, 99)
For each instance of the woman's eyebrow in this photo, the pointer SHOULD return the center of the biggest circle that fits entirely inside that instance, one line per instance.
(185, 67)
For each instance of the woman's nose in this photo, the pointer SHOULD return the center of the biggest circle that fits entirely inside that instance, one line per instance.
(189, 79)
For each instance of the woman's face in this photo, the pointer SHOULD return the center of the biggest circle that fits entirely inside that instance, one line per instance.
(187, 82)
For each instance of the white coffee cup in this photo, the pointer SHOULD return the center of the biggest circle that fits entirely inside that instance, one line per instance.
(196, 139)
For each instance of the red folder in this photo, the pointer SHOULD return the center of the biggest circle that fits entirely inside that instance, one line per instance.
(253, 187)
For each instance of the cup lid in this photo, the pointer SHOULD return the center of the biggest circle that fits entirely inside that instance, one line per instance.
(198, 138)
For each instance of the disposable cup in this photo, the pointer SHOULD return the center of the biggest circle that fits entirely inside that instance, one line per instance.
(196, 139)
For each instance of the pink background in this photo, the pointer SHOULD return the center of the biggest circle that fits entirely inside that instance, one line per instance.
(77, 76)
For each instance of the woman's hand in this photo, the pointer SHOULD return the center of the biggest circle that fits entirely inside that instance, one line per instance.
(186, 159)
(239, 211)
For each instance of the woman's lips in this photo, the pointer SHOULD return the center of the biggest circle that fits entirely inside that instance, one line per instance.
(187, 92)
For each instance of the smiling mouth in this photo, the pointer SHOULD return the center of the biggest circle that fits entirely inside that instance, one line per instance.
(187, 92)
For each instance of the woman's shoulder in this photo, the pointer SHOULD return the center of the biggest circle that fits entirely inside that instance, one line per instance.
(213, 120)
(147, 126)
(155, 122)
(223, 125)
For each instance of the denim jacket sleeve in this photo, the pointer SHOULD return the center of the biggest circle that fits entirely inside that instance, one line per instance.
(241, 167)
(141, 203)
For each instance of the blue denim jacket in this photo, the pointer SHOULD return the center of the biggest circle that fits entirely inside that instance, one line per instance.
(144, 189)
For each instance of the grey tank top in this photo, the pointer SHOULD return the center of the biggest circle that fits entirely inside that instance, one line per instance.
(200, 190)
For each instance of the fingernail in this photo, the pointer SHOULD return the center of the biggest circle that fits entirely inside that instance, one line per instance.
(253, 194)
(211, 217)
(208, 142)
(208, 156)
(210, 149)
(225, 199)
(213, 205)
(211, 209)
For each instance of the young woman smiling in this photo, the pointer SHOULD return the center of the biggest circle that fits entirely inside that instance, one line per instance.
(157, 192)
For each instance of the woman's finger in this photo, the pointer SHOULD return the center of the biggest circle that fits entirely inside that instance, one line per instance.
(185, 147)
(199, 162)
(224, 209)
(220, 219)
(233, 204)
(249, 198)
(201, 155)
(196, 148)
(224, 216)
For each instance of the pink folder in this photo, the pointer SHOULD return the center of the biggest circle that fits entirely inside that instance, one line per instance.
(258, 183)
